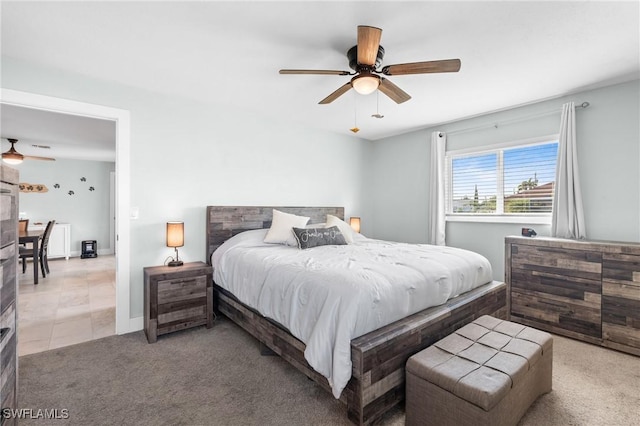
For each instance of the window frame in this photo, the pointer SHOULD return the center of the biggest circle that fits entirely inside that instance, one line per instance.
(499, 216)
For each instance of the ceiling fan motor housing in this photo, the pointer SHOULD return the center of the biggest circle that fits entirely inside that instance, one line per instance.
(352, 55)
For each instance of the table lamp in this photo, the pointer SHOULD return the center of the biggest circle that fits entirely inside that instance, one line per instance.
(355, 223)
(175, 239)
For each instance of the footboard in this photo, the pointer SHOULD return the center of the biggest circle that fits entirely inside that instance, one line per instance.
(378, 377)
(378, 358)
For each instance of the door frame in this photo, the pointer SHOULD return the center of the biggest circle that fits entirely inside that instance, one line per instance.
(121, 117)
(112, 212)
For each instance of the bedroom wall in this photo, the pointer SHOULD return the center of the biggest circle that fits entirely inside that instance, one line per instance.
(608, 134)
(186, 155)
(87, 211)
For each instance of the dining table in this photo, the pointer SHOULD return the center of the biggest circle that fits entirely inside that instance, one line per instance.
(32, 237)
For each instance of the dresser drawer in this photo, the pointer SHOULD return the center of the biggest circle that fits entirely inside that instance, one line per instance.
(621, 301)
(8, 357)
(8, 395)
(559, 261)
(8, 279)
(8, 213)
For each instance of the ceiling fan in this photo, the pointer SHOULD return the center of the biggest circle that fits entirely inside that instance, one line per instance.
(365, 58)
(14, 157)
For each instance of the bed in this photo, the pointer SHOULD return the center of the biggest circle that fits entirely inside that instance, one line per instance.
(377, 357)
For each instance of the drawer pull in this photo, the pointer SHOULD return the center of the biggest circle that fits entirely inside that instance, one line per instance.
(3, 332)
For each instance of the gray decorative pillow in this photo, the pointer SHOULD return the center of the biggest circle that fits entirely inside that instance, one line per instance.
(314, 237)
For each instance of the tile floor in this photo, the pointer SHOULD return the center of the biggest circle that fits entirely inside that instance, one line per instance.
(75, 303)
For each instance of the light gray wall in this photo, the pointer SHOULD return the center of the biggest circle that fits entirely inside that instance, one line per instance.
(608, 135)
(186, 155)
(87, 211)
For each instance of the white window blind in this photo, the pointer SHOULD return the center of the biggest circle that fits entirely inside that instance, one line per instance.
(516, 179)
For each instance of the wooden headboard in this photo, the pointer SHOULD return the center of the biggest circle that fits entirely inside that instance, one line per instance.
(223, 222)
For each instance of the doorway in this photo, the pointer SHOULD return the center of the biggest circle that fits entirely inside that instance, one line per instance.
(121, 117)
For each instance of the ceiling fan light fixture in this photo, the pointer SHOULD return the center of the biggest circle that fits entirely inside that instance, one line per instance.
(365, 83)
(12, 156)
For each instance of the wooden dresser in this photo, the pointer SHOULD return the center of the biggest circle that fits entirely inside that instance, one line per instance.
(8, 287)
(588, 290)
(176, 298)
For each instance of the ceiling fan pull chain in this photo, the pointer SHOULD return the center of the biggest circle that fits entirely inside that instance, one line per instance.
(355, 115)
(377, 114)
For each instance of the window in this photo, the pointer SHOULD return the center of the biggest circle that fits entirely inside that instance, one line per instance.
(510, 180)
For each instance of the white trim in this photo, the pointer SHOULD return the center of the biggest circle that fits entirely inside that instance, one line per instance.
(101, 252)
(539, 140)
(112, 212)
(503, 218)
(123, 137)
(136, 324)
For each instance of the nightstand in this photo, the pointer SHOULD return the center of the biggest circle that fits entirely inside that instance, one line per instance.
(176, 298)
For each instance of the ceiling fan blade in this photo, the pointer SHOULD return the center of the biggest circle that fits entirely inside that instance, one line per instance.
(446, 65)
(34, 157)
(335, 95)
(394, 92)
(368, 43)
(321, 72)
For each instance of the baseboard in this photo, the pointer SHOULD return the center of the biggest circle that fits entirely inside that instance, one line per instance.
(78, 253)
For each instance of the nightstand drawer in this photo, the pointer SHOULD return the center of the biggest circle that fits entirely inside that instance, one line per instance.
(192, 313)
(182, 289)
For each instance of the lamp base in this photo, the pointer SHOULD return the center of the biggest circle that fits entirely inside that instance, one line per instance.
(175, 263)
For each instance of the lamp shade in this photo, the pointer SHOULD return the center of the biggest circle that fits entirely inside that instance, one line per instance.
(355, 223)
(365, 83)
(175, 234)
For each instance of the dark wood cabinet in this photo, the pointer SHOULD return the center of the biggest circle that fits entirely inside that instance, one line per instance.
(176, 298)
(588, 290)
(8, 287)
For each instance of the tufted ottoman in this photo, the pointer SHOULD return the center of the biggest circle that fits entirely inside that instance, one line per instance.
(487, 373)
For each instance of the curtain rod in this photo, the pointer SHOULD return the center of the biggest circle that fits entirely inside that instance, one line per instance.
(513, 120)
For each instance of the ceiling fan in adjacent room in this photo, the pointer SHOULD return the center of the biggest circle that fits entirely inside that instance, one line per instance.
(365, 58)
(14, 157)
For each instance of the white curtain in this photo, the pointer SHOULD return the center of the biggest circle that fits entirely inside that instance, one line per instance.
(568, 216)
(436, 189)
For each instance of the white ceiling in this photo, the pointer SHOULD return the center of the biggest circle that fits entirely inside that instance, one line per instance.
(512, 53)
(67, 136)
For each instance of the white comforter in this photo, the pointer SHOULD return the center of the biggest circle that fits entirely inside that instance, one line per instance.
(326, 296)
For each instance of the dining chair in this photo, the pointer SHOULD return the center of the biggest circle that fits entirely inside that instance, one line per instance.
(42, 253)
(23, 225)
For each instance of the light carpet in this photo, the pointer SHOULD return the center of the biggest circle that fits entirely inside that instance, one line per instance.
(218, 377)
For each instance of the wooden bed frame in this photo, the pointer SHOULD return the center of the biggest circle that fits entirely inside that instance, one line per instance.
(378, 376)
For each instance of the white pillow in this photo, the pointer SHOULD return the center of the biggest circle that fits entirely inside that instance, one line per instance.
(344, 227)
(281, 231)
